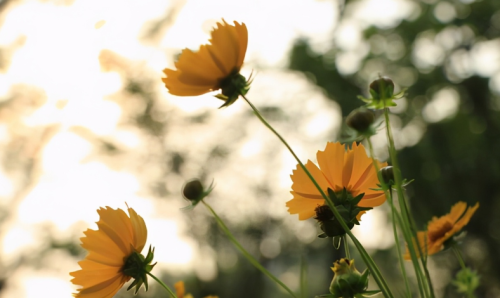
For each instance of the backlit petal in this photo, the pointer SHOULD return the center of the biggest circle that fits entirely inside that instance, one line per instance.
(331, 162)
(303, 185)
(225, 47)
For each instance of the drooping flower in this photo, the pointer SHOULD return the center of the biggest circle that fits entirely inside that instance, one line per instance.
(180, 291)
(442, 229)
(113, 255)
(215, 66)
(339, 169)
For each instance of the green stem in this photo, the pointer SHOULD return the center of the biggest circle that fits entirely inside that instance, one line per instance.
(395, 217)
(377, 275)
(163, 285)
(458, 254)
(246, 254)
(407, 224)
(346, 247)
(303, 277)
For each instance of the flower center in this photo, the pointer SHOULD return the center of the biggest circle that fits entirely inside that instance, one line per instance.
(438, 229)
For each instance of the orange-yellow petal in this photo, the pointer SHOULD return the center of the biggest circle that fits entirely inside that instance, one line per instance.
(462, 222)
(305, 207)
(331, 162)
(176, 87)
(242, 33)
(91, 277)
(179, 289)
(361, 164)
(105, 289)
(303, 185)
(225, 47)
(140, 231)
(198, 68)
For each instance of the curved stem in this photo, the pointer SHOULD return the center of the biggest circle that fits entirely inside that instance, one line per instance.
(245, 253)
(162, 284)
(377, 275)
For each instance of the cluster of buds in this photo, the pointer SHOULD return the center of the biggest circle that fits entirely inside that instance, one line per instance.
(362, 121)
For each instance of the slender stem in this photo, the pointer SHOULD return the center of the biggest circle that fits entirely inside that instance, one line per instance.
(163, 285)
(346, 247)
(407, 224)
(245, 253)
(377, 275)
(458, 254)
(395, 217)
(303, 277)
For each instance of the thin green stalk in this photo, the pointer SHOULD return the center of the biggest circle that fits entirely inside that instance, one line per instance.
(245, 253)
(395, 217)
(303, 277)
(346, 247)
(163, 285)
(407, 226)
(377, 275)
(458, 254)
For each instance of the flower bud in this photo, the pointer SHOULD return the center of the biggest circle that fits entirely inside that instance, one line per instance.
(466, 281)
(347, 280)
(387, 174)
(382, 88)
(193, 190)
(360, 120)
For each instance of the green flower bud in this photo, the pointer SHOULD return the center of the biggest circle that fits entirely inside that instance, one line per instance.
(193, 190)
(466, 281)
(360, 120)
(347, 280)
(387, 174)
(382, 88)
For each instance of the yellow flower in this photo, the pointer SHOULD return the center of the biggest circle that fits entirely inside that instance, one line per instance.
(111, 248)
(181, 292)
(338, 169)
(215, 66)
(439, 230)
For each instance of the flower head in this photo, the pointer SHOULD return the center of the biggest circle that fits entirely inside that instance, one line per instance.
(215, 66)
(339, 169)
(441, 229)
(113, 255)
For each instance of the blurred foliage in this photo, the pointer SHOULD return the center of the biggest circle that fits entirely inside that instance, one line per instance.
(457, 158)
